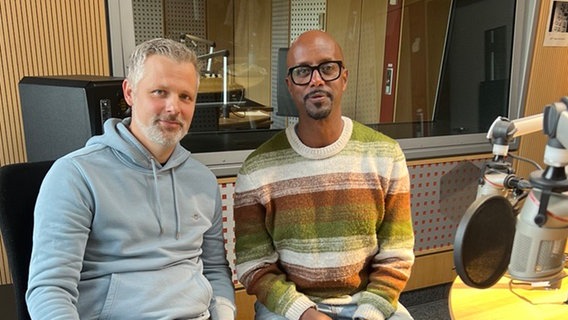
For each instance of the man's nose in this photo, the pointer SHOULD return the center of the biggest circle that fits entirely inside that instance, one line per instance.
(173, 105)
(316, 78)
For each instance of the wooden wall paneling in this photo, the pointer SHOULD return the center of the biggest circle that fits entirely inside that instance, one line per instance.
(372, 37)
(415, 53)
(220, 19)
(548, 83)
(9, 132)
(343, 22)
(51, 37)
(391, 61)
(4, 275)
(432, 269)
(252, 50)
(44, 37)
(421, 48)
(245, 305)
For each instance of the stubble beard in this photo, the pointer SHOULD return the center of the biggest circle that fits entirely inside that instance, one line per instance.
(158, 135)
(320, 110)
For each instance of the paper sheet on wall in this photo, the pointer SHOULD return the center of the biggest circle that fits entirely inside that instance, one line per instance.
(557, 27)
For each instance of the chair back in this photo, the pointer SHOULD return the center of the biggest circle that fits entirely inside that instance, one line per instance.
(19, 186)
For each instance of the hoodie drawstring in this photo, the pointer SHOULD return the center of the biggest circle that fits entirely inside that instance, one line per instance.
(157, 195)
(159, 204)
(176, 208)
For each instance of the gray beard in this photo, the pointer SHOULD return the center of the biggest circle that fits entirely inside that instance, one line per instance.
(159, 136)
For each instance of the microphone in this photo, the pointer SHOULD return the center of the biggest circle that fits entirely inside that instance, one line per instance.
(542, 225)
(538, 250)
(491, 238)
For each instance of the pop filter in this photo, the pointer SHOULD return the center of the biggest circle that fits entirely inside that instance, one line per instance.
(483, 242)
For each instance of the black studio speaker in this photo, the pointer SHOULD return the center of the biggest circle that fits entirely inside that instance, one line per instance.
(60, 113)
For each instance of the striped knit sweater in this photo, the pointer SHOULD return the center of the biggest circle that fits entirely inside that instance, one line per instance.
(330, 224)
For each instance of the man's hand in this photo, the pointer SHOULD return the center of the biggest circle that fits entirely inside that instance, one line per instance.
(314, 314)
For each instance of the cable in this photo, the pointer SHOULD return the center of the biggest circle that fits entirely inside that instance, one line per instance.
(534, 163)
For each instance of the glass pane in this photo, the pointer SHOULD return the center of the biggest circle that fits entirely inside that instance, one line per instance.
(474, 84)
(417, 69)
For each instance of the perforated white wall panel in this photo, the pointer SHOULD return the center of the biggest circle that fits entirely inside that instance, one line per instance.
(305, 15)
(370, 71)
(183, 16)
(148, 23)
(440, 195)
(186, 17)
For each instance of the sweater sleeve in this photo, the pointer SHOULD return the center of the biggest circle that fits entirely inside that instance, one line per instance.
(392, 265)
(257, 267)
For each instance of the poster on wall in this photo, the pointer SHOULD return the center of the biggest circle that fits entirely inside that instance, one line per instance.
(557, 27)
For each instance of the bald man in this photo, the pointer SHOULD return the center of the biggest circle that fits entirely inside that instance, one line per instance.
(322, 210)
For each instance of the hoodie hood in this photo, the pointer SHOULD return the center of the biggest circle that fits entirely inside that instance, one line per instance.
(131, 152)
(118, 137)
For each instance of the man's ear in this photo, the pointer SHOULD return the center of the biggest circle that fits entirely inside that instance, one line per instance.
(345, 76)
(127, 92)
(287, 83)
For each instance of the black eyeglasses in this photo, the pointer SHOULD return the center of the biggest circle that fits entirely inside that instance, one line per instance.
(302, 75)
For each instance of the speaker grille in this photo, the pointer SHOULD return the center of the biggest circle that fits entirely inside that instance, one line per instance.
(519, 261)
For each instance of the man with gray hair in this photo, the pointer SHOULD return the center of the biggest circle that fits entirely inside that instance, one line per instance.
(130, 226)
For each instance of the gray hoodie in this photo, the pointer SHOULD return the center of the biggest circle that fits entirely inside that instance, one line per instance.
(117, 235)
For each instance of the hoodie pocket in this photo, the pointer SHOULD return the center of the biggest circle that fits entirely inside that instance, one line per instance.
(180, 292)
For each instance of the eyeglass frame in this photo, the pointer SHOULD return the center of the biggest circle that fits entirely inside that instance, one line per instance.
(314, 68)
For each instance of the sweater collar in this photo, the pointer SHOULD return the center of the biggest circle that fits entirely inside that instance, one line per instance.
(324, 152)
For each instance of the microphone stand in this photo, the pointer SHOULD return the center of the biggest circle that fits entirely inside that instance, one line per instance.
(225, 108)
(498, 176)
(538, 252)
(553, 179)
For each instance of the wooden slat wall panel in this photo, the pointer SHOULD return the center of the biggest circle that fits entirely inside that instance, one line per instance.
(44, 37)
(548, 83)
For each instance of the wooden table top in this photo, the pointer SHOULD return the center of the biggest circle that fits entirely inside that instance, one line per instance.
(508, 301)
(246, 119)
